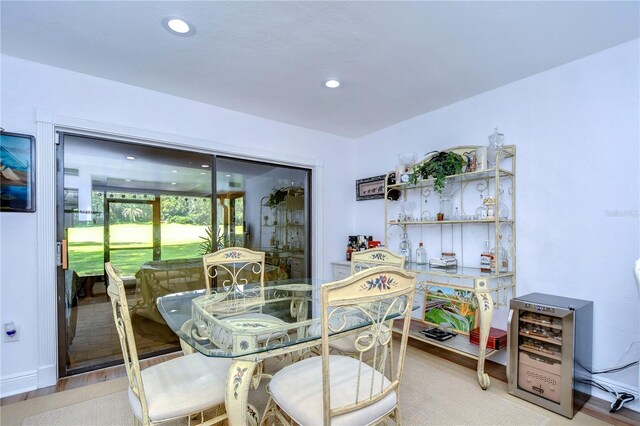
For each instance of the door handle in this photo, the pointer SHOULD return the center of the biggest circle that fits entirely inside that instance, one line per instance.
(509, 344)
(65, 258)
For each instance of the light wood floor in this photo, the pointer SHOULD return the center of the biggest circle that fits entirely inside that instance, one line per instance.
(595, 407)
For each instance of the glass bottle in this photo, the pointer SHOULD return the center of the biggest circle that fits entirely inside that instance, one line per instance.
(496, 142)
(349, 252)
(421, 255)
(499, 260)
(405, 248)
(485, 258)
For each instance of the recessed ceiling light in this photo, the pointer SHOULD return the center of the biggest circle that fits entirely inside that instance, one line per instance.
(203, 173)
(206, 166)
(331, 84)
(128, 180)
(130, 157)
(228, 175)
(178, 26)
(173, 183)
(174, 171)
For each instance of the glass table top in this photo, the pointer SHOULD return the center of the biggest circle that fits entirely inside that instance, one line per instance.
(242, 320)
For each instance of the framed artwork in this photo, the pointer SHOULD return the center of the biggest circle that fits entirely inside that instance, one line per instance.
(17, 173)
(370, 188)
(450, 305)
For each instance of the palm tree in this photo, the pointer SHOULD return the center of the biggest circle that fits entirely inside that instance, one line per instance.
(132, 212)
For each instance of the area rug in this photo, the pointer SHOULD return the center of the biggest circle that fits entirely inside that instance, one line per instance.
(433, 392)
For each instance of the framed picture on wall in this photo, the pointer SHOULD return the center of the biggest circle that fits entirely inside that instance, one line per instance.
(17, 173)
(370, 188)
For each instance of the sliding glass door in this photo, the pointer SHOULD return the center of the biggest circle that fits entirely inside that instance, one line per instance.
(265, 207)
(153, 212)
(144, 209)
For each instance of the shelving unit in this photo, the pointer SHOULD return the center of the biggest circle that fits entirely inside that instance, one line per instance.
(282, 232)
(463, 297)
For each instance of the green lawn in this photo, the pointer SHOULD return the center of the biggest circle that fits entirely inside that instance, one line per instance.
(86, 255)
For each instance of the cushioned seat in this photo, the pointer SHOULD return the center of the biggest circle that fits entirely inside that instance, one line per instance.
(343, 390)
(181, 386)
(177, 388)
(297, 389)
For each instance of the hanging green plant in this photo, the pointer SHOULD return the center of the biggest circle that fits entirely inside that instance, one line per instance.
(439, 166)
(276, 197)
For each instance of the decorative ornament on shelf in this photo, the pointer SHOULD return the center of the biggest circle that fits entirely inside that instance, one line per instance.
(404, 169)
(490, 204)
(438, 166)
(496, 142)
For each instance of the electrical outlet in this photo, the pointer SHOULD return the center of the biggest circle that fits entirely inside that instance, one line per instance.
(7, 338)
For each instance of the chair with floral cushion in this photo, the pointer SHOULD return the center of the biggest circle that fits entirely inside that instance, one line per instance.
(180, 387)
(341, 389)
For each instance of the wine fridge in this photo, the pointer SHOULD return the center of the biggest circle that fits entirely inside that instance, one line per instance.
(549, 351)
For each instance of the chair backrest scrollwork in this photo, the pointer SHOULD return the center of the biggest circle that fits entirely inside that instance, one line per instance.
(236, 275)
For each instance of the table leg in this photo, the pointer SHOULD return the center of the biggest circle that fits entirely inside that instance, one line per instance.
(239, 381)
(485, 306)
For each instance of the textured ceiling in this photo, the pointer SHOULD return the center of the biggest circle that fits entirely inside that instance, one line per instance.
(396, 60)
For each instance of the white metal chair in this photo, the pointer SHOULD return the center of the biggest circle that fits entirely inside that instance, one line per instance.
(360, 261)
(236, 274)
(339, 389)
(173, 389)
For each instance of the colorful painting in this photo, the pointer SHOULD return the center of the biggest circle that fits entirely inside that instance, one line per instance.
(448, 305)
(17, 172)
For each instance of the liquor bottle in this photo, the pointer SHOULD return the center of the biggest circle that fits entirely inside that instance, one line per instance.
(405, 248)
(485, 258)
(421, 255)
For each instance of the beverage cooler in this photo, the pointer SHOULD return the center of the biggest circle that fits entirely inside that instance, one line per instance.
(550, 346)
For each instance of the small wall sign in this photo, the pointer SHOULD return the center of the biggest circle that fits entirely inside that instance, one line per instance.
(370, 188)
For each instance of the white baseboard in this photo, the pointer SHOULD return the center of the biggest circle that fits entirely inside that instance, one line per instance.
(47, 376)
(18, 383)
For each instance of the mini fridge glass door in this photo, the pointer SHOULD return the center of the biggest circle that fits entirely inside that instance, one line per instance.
(540, 356)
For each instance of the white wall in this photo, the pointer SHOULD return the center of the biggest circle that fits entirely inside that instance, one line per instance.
(577, 133)
(576, 129)
(27, 87)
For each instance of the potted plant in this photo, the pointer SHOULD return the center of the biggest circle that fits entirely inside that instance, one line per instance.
(211, 244)
(438, 166)
(276, 197)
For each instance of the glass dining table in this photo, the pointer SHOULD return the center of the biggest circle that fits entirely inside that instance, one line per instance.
(248, 324)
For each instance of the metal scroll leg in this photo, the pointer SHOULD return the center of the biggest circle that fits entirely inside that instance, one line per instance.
(485, 308)
(239, 380)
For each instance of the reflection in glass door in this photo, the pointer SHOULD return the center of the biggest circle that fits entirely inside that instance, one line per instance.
(265, 207)
(145, 209)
